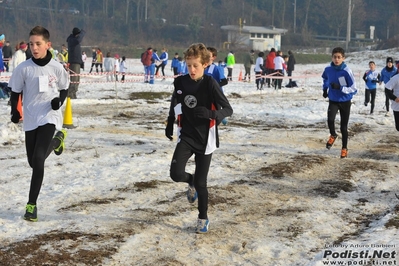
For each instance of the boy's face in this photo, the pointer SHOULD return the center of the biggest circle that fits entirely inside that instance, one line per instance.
(338, 58)
(372, 66)
(38, 46)
(389, 64)
(195, 67)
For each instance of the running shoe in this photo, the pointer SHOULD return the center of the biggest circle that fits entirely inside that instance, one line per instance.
(344, 153)
(202, 226)
(59, 138)
(31, 213)
(331, 141)
(192, 194)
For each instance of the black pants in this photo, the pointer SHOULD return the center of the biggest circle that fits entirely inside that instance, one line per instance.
(75, 79)
(258, 79)
(247, 72)
(178, 173)
(367, 99)
(230, 73)
(268, 72)
(38, 148)
(99, 65)
(162, 67)
(344, 109)
(277, 82)
(396, 117)
(387, 102)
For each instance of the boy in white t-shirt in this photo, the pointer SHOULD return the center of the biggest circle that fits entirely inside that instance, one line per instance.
(44, 84)
(392, 92)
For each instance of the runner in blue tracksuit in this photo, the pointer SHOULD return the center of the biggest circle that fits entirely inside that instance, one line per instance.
(371, 77)
(386, 74)
(216, 72)
(339, 86)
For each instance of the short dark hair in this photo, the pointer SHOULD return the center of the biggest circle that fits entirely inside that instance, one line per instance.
(338, 50)
(40, 31)
(212, 50)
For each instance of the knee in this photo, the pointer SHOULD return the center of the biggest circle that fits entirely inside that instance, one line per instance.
(177, 176)
(37, 162)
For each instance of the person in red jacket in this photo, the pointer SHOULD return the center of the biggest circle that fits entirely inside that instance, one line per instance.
(270, 64)
(146, 61)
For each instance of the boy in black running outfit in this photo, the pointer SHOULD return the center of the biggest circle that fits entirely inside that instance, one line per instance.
(339, 86)
(199, 105)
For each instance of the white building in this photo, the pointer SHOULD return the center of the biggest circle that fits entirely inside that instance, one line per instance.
(254, 37)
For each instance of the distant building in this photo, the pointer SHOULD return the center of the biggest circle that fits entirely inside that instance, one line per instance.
(254, 37)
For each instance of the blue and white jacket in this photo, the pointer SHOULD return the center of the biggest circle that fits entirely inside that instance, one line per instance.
(343, 76)
(371, 78)
(388, 73)
(164, 58)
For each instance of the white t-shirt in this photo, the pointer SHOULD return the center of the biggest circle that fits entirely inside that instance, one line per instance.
(258, 62)
(278, 63)
(393, 85)
(39, 84)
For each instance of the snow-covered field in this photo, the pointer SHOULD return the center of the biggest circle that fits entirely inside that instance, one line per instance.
(277, 195)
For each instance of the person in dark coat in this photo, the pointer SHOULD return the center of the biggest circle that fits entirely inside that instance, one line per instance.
(290, 67)
(75, 59)
(7, 55)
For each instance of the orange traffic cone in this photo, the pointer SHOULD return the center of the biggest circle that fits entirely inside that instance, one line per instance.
(68, 115)
(19, 107)
(240, 76)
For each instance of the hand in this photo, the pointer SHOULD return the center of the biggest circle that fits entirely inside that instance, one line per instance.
(203, 112)
(325, 93)
(16, 116)
(55, 103)
(335, 86)
(169, 128)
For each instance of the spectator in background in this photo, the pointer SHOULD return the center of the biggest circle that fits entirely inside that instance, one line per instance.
(230, 65)
(99, 60)
(259, 70)
(28, 52)
(74, 59)
(20, 54)
(164, 60)
(249, 60)
(146, 61)
(175, 64)
(290, 67)
(109, 67)
(116, 66)
(93, 59)
(7, 55)
(84, 57)
(269, 65)
(123, 68)
(2, 40)
(278, 70)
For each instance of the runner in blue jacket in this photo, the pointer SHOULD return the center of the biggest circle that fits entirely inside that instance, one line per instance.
(339, 86)
(386, 74)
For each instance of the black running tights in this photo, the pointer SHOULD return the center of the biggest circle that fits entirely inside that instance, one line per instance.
(368, 99)
(178, 173)
(344, 111)
(37, 143)
(396, 117)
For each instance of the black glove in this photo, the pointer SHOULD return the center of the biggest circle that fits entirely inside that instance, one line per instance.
(374, 81)
(169, 128)
(335, 86)
(325, 93)
(16, 116)
(55, 103)
(203, 112)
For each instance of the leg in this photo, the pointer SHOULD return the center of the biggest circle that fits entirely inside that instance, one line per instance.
(387, 102)
(37, 143)
(396, 117)
(163, 70)
(331, 114)
(75, 78)
(344, 111)
(178, 173)
(372, 101)
(366, 96)
(202, 163)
